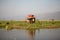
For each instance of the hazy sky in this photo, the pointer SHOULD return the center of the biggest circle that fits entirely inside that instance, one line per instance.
(18, 9)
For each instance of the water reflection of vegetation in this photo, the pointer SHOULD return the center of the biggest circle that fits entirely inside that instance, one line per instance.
(24, 25)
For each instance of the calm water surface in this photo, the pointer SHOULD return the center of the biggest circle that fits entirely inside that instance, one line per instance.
(42, 34)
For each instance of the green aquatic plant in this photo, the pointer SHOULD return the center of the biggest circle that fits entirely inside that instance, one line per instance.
(8, 25)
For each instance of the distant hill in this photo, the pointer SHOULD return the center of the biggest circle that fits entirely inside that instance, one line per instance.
(41, 16)
(46, 16)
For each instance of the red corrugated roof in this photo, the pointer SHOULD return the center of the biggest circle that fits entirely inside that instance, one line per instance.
(30, 16)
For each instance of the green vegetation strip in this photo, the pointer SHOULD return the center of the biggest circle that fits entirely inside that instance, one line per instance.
(24, 25)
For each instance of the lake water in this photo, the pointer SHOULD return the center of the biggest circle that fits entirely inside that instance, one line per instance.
(42, 34)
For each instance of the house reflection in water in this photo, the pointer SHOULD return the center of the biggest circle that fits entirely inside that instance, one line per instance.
(31, 34)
